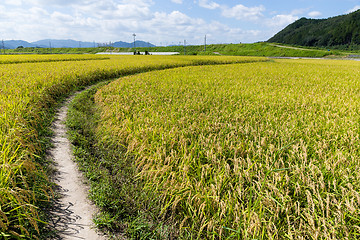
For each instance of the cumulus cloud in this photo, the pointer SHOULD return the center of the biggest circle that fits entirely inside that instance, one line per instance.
(241, 12)
(299, 11)
(13, 2)
(281, 20)
(175, 25)
(104, 10)
(208, 4)
(236, 34)
(58, 16)
(314, 14)
(140, 3)
(54, 2)
(177, 1)
(357, 7)
(175, 19)
(112, 20)
(128, 11)
(79, 3)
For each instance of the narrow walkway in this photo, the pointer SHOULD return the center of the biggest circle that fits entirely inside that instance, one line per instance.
(296, 48)
(73, 213)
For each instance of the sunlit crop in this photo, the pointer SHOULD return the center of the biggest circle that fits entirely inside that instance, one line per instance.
(31, 58)
(28, 94)
(245, 151)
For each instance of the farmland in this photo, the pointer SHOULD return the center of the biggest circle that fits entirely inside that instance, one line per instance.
(214, 148)
(263, 150)
(11, 59)
(30, 91)
(253, 49)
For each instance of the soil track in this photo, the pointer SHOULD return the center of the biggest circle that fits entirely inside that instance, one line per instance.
(72, 216)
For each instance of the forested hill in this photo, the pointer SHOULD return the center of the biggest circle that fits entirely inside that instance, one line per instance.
(342, 30)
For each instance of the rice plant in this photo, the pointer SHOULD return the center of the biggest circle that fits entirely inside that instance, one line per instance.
(31, 58)
(29, 94)
(245, 151)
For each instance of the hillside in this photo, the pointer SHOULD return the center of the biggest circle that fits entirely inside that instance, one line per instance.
(341, 30)
(11, 44)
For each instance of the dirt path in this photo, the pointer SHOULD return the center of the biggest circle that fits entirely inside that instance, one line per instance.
(296, 48)
(73, 213)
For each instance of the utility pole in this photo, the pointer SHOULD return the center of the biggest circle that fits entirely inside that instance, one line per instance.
(205, 44)
(3, 46)
(134, 35)
(184, 47)
(50, 46)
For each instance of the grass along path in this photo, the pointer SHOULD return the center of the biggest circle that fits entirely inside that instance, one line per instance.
(289, 47)
(73, 214)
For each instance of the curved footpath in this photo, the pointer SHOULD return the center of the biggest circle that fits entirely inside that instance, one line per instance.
(73, 212)
(72, 216)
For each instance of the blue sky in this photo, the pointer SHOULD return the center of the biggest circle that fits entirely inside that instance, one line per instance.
(158, 21)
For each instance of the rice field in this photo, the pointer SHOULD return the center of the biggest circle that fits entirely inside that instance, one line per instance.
(30, 89)
(31, 58)
(263, 150)
(249, 149)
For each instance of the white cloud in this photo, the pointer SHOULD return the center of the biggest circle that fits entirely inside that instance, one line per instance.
(57, 16)
(36, 12)
(82, 3)
(129, 11)
(280, 21)
(208, 4)
(175, 19)
(242, 12)
(139, 3)
(13, 2)
(104, 10)
(314, 14)
(275, 24)
(54, 2)
(174, 25)
(112, 20)
(236, 34)
(177, 1)
(357, 7)
(299, 11)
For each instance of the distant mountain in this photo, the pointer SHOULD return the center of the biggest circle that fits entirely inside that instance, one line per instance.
(46, 43)
(63, 43)
(131, 45)
(335, 31)
(11, 44)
